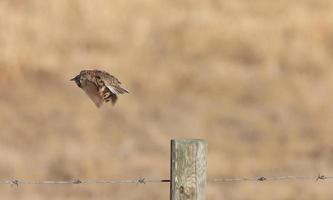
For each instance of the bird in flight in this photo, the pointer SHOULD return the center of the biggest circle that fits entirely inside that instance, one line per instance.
(100, 86)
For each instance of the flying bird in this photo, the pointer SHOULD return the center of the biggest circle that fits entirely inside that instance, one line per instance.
(100, 86)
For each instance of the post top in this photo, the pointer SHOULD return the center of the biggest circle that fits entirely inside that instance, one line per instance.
(185, 140)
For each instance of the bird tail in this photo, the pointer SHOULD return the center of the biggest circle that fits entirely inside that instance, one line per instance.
(121, 90)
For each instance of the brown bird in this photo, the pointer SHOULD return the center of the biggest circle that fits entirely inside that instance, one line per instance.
(100, 86)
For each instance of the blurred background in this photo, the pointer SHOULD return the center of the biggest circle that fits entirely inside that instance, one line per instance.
(254, 78)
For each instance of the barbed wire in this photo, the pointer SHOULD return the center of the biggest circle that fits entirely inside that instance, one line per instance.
(16, 182)
(270, 178)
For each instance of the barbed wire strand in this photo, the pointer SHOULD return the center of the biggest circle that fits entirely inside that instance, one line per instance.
(15, 182)
(271, 178)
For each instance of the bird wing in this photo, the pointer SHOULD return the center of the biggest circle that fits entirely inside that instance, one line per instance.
(92, 91)
(113, 84)
(108, 77)
(115, 88)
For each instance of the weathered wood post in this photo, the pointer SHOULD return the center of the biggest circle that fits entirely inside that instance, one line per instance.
(188, 169)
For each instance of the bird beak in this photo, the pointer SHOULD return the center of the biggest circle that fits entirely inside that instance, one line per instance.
(73, 79)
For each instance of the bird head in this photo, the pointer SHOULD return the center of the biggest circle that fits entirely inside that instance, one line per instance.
(77, 80)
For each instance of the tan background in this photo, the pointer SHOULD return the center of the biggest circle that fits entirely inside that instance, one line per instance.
(254, 78)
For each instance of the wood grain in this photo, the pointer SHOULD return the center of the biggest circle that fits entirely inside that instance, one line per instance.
(188, 169)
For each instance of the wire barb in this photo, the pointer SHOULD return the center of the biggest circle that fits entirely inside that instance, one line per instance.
(77, 181)
(320, 177)
(142, 181)
(14, 183)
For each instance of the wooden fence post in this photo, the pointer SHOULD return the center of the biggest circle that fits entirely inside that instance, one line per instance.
(188, 169)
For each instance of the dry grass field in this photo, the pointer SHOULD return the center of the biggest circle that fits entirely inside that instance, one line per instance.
(254, 78)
